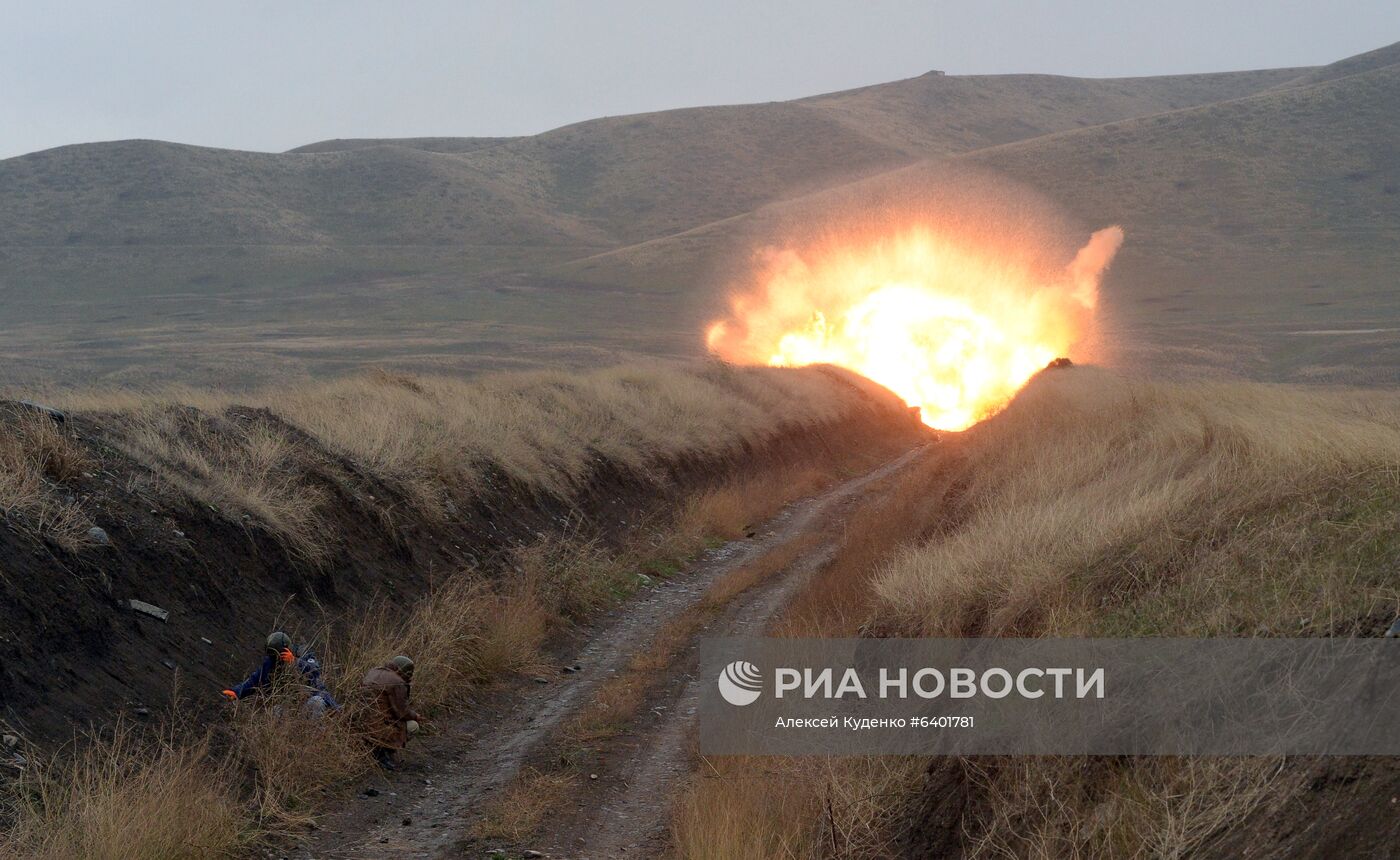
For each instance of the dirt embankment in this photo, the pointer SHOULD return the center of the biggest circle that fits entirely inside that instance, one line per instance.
(1098, 505)
(73, 650)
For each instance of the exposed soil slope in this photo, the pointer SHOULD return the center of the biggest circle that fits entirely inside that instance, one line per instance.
(73, 650)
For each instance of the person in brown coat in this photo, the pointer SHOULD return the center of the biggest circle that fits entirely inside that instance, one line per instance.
(393, 719)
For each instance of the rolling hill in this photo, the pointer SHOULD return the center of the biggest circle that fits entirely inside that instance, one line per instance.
(607, 181)
(594, 240)
(1243, 217)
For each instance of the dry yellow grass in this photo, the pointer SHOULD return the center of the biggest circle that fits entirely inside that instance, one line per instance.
(729, 510)
(1097, 504)
(573, 578)
(837, 600)
(616, 702)
(122, 796)
(36, 458)
(464, 633)
(239, 470)
(521, 808)
(441, 438)
(288, 758)
(545, 429)
(740, 807)
(1104, 506)
(542, 429)
(795, 809)
(1094, 505)
(1048, 808)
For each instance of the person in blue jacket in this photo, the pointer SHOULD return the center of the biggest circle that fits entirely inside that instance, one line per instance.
(282, 655)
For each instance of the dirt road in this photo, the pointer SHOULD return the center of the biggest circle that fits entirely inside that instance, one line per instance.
(430, 807)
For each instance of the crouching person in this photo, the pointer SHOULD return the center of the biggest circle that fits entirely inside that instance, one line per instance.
(281, 656)
(392, 719)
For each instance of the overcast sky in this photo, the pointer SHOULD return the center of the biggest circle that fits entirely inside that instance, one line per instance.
(273, 75)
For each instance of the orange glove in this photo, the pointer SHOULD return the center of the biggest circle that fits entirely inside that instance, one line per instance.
(230, 695)
(287, 655)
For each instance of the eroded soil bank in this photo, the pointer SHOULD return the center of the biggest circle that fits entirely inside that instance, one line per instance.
(73, 650)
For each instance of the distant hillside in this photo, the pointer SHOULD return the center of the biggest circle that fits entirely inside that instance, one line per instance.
(595, 237)
(1273, 217)
(428, 144)
(1377, 59)
(1307, 163)
(944, 114)
(607, 181)
(149, 193)
(1241, 215)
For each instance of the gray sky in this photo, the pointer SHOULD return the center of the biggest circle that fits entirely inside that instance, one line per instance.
(273, 75)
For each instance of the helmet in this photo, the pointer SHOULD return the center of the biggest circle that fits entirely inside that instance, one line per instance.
(402, 665)
(277, 641)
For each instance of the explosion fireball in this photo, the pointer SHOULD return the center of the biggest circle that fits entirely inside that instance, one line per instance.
(954, 327)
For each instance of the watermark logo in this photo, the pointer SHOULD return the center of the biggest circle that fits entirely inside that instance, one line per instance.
(740, 683)
(1151, 696)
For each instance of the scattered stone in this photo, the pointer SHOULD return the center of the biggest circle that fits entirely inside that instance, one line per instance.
(179, 534)
(142, 712)
(149, 609)
(371, 792)
(593, 776)
(98, 536)
(206, 641)
(168, 663)
(530, 854)
(540, 680)
(10, 741)
(1394, 631)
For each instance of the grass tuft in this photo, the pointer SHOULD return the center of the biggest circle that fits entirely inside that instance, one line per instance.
(123, 796)
(36, 458)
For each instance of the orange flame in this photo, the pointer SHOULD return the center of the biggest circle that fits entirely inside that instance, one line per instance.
(955, 328)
